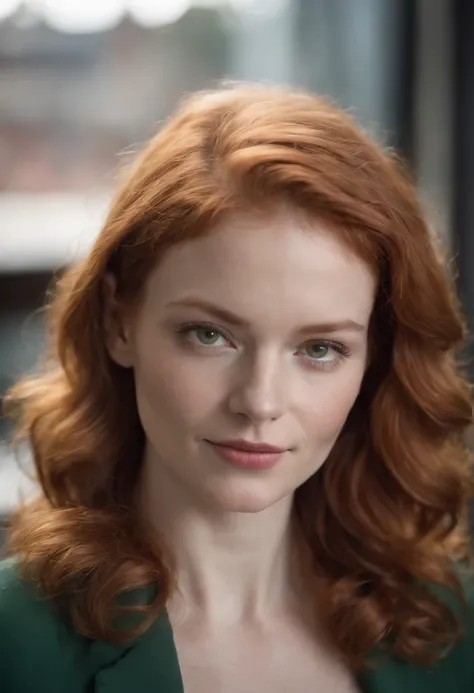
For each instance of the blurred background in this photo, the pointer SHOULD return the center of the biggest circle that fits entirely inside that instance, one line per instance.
(83, 83)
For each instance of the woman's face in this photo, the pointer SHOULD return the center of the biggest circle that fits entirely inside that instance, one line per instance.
(256, 333)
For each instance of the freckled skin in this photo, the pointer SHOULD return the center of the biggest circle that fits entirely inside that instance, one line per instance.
(257, 381)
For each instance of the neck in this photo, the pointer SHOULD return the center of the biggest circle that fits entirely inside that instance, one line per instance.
(229, 566)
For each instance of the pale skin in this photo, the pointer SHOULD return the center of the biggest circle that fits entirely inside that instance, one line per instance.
(284, 368)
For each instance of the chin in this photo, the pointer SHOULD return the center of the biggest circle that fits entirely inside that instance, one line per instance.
(246, 500)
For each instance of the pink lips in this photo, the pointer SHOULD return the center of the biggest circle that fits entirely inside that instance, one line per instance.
(246, 455)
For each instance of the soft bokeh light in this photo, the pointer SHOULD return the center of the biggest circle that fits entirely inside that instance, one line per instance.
(81, 16)
(159, 12)
(89, 16)
(8, 7)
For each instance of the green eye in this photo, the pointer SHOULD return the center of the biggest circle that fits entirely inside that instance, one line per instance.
(317, 351)
(207, 335)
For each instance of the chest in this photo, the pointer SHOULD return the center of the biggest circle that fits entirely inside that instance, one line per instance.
(273, 660)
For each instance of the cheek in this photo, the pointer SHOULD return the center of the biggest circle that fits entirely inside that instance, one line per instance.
(331, 401)
(171, 388)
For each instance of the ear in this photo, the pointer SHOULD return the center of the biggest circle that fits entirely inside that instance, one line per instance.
(117, 331)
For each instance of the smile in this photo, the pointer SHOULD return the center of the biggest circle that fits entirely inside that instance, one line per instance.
(246, 455)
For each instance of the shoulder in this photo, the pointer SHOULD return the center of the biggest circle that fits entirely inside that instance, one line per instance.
(38, 651)
(463, 609)
(453, 672)
(457, 667)
(463, 652)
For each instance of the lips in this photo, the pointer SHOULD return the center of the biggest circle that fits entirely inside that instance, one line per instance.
(247, 455)
(248, 446)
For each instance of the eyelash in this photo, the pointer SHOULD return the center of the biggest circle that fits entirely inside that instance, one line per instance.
(186, 328)
(341, 349)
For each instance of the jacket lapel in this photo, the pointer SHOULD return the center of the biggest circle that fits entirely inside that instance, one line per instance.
(150, 665)
(393, 676)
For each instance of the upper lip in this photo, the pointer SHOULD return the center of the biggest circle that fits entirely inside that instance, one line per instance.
(248, 446)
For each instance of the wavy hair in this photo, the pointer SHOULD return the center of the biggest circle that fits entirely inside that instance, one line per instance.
(385, 515)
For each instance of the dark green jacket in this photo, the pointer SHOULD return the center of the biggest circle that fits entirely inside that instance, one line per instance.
(39, 653)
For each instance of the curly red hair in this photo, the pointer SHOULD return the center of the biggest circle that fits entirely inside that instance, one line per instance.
(386, 513)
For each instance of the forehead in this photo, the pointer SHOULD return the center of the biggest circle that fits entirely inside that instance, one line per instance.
(251, 264)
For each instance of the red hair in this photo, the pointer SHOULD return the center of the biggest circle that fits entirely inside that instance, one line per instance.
(386, 513)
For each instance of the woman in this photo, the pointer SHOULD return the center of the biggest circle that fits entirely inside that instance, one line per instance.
(249, 436)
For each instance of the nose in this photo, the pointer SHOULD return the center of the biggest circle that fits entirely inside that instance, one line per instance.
(259, 393)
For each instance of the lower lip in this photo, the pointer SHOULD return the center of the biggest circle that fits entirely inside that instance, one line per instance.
(246, 459)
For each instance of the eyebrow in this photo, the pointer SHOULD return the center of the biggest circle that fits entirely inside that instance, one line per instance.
(233, 319)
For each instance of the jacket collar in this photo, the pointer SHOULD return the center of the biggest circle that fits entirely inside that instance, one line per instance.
(149, 665)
